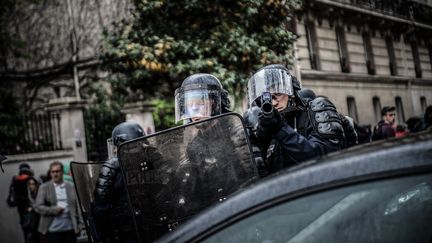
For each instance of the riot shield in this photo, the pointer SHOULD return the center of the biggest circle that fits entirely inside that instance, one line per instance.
(172, 175)
(85, 176)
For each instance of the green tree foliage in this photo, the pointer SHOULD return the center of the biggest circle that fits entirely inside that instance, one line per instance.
(163, 114)
(166, 41)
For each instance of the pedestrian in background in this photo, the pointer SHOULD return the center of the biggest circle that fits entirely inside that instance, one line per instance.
(18, 193)
(384, 129)
(31, 217)
(57, 204)
(427, 119)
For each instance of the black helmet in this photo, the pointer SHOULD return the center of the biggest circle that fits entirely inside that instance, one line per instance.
(307, 95)
(199, 96)
(273, 78)
(126, 131)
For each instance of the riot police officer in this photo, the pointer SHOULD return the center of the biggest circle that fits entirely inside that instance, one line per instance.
(111, 212)
(200, 97)
(290, 130)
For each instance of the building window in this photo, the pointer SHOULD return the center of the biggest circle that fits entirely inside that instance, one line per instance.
(312, 43)
(367, 44)
(400, 115)
(423, 104)
(377, 108)
(342, 48)
(352, 108)
(391, 54)
(416, 57)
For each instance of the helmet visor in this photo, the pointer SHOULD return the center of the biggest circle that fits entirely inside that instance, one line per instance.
(269, 80)
(197, 103)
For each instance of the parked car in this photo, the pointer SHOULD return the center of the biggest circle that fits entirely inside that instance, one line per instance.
(379, 192)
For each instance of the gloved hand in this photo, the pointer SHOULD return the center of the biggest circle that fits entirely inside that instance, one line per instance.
(269, 126)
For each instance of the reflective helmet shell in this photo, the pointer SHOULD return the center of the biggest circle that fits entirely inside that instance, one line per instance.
(273, 78)
(198, 96)
(126, 131)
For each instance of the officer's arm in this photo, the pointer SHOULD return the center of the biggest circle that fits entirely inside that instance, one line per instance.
(106, 180)
(303, 148)
(326, 132)
(100, 209)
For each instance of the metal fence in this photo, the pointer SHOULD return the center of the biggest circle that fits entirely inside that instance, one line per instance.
(98, 126)
(29, 134)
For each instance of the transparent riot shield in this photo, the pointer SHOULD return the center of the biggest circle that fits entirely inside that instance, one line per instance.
(172, 175)
(85, 176)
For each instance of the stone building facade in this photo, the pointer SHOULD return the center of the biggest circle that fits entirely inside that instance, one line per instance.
(365, 55)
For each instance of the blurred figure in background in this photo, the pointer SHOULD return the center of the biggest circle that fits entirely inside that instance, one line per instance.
(384, 128)
(57, 204)
(427, 119)
(418, 124)
(18, 192)
(31, 217)
(364, 133)
(401, 131)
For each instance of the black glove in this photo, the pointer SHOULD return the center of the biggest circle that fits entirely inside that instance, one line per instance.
(267, 126)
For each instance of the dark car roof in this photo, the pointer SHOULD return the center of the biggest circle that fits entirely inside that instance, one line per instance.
(412, 154)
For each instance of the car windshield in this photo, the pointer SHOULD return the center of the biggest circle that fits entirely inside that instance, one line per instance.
(393, 210)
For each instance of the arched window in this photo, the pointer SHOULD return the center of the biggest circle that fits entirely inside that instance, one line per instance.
(391, 54)
(416, 57)
(377, 108)
(352, 108)
(342, 49)
(312, 43)
(400, 115)
(368, 49)
(423, 104)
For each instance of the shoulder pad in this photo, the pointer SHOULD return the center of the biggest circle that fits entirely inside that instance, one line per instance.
(321, 104)
(112, 164)
(107, 176)
(325, 119)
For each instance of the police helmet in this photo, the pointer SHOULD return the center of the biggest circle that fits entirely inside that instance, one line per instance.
(126, 131)
(307, 95)
(273, 78)
(199, 96)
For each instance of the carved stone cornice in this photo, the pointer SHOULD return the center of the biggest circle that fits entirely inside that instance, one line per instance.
(362, 78)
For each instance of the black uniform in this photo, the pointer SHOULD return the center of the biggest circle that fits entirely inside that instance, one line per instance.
(307, 128)
(304, 134)
(110, 210)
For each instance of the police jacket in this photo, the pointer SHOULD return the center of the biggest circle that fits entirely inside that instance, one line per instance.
(309, 132)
